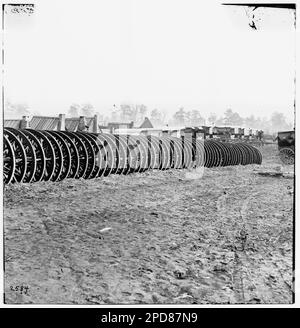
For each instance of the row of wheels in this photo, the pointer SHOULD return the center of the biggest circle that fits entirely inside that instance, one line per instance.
(32, 155)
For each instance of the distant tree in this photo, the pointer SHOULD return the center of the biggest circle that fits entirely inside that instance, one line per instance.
(143, 110)
(264, 123)
(232, 118)
(278, 122)
(194, 118)
(212, 118)
(114, 114)
(87, 110)
(180, 117)
(227, 116)
(139, 111)
(258, 122)
(236, 119)
(74, 110)
(128, 112)
(157, 117)
(250, 121)
(16, 110)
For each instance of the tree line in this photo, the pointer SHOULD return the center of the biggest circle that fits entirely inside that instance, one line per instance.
(126, 112)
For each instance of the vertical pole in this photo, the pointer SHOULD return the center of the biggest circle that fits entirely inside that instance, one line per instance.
(61, 122)
(95, 124)
(24, 122)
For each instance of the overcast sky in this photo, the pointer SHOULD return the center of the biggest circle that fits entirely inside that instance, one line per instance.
(163, 53)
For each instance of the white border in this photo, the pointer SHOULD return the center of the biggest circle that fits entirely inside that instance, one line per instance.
(181, 306)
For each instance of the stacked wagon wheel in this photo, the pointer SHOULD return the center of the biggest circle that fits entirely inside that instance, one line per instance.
(9, 161)
(48, 155)
(34, 155)
(39, 156)
(19, 156)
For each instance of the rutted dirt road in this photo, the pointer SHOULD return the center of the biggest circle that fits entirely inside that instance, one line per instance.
(226, 237)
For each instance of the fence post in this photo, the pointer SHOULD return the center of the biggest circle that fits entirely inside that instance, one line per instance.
(95, 124)
(61, 122)
(25, 124)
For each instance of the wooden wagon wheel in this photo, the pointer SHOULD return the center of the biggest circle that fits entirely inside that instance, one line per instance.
(39, 154)
(287, 156)
(144, 153)
(114, 153)
(152, 157)
(105, 156)
(209, 154)
(92, 149)
(224, 153)
(20, 156)
(243, 156)
(58, 155)
(137, 153)
(132, 154)
(217, 153)
(121, 147)
(167, 152)
(66, 155)
(102, 167)
(96, 145)
(188, 151)
(155, 151)
(164, 154)
(200, 153)
(82, 153)
(176, 153)
(91, 156)
(48, 150)
(30, 154)
(258, 155)
(250, 153)
(8, 161)
(74, 155)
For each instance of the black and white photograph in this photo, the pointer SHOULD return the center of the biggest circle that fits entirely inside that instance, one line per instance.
(148, 152)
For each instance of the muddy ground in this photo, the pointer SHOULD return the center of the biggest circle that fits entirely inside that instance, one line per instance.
(174, 237)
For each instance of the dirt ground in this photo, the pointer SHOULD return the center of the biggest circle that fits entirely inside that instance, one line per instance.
(172, 237)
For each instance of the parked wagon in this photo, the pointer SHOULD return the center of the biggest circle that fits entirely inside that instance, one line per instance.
(286, 146)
